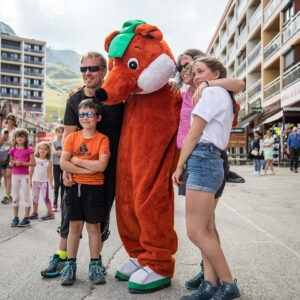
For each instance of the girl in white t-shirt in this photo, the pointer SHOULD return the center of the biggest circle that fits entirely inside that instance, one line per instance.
(40, 177)
(212, 120)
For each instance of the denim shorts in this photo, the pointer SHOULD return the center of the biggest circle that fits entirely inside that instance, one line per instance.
(205, 168)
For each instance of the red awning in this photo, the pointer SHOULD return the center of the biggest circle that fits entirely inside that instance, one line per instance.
(47, 138)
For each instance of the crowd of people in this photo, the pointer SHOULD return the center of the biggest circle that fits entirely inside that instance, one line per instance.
(81, 162)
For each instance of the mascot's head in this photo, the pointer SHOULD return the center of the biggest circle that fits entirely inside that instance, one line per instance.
(140, 62)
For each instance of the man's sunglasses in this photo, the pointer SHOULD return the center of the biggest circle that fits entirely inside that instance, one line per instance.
(89, 114)
(91, 69)
(185, 66)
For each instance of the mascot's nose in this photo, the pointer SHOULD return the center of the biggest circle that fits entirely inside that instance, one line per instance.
(101, 95)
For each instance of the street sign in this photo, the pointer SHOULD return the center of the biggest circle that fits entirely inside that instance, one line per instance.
(237, 130)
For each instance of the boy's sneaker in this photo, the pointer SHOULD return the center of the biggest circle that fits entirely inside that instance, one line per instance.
(5, 200)
(48, 216)
(34, 216)
(95, 273)
(10, 198)
(56, 264)
(204, 292)
(195, 282)
(103, 269)
(54, 208)
(25, 222)
(227, 291)
(15, 222)
(68, 273)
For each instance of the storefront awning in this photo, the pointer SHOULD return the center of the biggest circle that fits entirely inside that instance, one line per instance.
(247, 121)
(273, 118)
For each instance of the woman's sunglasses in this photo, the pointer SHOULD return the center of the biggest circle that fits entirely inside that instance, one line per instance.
(185, 66)
(89, 114)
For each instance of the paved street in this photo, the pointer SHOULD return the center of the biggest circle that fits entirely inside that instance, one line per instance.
(258, 222)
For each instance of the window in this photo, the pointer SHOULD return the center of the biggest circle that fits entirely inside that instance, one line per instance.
(289, 12)
(289, 58)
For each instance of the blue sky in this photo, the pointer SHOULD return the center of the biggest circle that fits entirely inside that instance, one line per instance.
(82, 25)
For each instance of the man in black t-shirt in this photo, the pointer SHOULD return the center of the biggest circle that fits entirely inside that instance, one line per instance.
(93, 69)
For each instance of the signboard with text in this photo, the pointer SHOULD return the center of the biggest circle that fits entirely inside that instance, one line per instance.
(291, 94)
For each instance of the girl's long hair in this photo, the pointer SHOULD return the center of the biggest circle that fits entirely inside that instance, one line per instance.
(20, 132)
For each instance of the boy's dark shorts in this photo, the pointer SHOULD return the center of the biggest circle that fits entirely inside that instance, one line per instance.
(85, 203)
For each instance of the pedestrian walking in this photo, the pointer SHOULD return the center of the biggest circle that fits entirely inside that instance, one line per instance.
(256, 152)
(268, 152)
(294, 149)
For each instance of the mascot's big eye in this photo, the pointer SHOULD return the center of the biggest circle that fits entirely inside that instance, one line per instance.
(133, 63)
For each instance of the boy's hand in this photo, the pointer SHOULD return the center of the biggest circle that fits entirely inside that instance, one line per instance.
(68, 179)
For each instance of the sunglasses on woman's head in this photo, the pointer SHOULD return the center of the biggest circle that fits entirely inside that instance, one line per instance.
(185, 66)
(89, 114)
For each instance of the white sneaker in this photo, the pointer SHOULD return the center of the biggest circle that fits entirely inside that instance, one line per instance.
(145, 280)
(127, 269)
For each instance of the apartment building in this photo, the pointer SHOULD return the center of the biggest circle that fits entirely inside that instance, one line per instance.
(22, 71)
(259, 41)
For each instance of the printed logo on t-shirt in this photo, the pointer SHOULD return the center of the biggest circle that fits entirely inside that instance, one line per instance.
(82, 151)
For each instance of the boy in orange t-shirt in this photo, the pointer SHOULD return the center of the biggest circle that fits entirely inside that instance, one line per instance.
(85, 155)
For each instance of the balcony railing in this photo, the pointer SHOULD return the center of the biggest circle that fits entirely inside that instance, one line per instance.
(272, 88)
(241, 38)
(34, 74)
(254, 20)
(254, 89)
(255, 52)
(272, 47)
(291, 27)
(291, 75)
(231, 25)
(224, 38)
(231, 52)
(33, 97)
(11, 59)
(242, 6)
(10, 83)
(3, 45)
(241, 99)
(270, 8)
(10, 95)
(242, 67)
(4, 70)
(37, 86)
(217, 50)
(28, 61)
(33, 50)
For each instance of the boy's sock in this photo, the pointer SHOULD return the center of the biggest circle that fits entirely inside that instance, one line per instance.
(71, 259)
(62, 254)
(94, 259)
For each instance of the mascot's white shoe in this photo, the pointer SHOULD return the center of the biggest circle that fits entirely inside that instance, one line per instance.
(145, 281)
(127, 269)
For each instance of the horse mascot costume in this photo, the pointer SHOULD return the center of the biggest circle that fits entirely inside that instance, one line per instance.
(141, 64)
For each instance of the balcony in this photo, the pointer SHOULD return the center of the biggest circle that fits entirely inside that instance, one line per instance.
(36, 86)
(28, 61)
(242, 98)
(217, 50)
(11, 59)
(6, 46)
(242, 67)
(231, 25)
(10, 83)
(255, 19)
(33, 97)
(255, 52)
(4, 70)
(272, 88)
(291, 27)
(271, 7)
(10, 95)
(26, 49)
(242, 37)
(231, 52)
(291, 75)
(224, 38)
(254, 89)
(241, 8)
(272, 47)
(33, 74)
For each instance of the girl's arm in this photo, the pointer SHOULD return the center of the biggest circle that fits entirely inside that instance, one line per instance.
(92, 165)
(31, 170)
(189, 144)
(230, 84)
(11, 161)
(50, 174)
(261, 146)
(31, 163)
(68, 166)
(54, 151)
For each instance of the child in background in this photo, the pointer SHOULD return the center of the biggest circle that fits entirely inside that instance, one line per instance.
(56, 148)
(40, 177)
(21, 158)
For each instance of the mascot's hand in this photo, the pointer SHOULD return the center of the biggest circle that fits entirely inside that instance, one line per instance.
(101, 95)
(198, 93)
(175, 88)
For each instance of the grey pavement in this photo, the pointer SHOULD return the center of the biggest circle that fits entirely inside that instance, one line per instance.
(258, 223)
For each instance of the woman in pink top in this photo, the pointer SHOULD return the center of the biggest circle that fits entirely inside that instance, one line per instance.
(21, 158)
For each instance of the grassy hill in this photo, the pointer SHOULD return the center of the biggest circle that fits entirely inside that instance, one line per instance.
(60, 82)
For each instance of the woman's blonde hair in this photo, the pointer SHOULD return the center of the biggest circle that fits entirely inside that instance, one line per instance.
(37, 147)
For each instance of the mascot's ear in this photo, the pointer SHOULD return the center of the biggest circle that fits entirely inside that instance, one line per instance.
(109, 39)
(149, 31)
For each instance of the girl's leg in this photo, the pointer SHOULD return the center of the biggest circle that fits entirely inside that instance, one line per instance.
(271, 166)
(16, 193)
(45, 195)
(16, 211)
(73, 238)
(25, 188)
(199, 210)
(267, 165)
(35, 196)
(94, 239)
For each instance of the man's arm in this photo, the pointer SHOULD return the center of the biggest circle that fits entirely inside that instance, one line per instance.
(68, 129)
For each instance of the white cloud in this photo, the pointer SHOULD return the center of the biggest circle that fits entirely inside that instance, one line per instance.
(83, 25)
